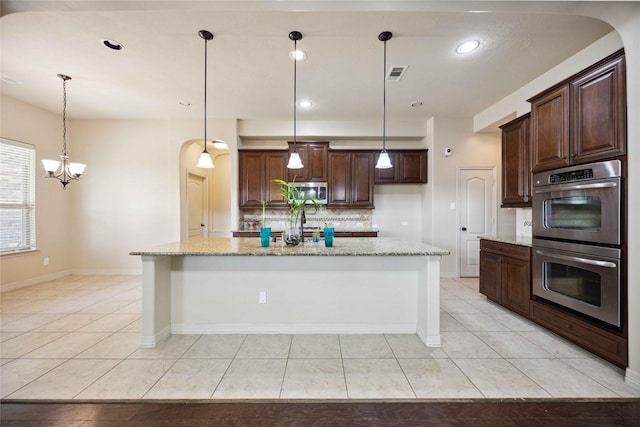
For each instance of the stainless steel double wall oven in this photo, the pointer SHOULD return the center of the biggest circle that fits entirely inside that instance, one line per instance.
(577, 229)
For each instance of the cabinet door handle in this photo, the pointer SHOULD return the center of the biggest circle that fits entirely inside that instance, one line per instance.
(464, 229)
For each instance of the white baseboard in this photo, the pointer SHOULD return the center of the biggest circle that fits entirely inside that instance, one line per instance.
(150, 341)
(285, 328)
(632, 378)
(34, 281)
(433, 341)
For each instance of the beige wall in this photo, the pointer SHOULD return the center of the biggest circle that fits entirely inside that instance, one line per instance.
(22, 122)
(469, 150)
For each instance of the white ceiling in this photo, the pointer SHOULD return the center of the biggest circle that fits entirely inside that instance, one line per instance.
(250, 74)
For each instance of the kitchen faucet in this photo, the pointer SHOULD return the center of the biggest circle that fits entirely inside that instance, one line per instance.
(303, 221)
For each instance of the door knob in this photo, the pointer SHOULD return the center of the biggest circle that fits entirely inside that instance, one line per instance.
(464, 229)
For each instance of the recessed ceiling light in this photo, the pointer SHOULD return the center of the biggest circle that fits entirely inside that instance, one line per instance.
(468, 46)
(184, 103)
(416, 104)
(112, 44)
(220, 145)
(305, 103)
(8, 79)
(298, 55)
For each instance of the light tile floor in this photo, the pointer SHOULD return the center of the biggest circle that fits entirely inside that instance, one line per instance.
(78, 338)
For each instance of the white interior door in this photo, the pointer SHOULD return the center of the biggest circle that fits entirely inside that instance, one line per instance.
(477, 201)
(196, 204)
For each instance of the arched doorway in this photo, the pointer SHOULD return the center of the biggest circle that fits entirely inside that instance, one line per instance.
(205, 194)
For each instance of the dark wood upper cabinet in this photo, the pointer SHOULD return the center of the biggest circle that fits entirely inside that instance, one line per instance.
(350, 183)
(550, 129)
(516, 169)
(598, 112)
(257, 170)
(582, 119)
(409, 167)
(314, 159)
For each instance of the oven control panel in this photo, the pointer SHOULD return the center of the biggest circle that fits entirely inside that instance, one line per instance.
(578, 175)
(591, 171)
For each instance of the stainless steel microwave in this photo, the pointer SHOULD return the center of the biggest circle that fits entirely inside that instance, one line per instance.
(312, 191)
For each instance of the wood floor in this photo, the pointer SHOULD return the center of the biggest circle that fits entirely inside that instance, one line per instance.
(495, 413)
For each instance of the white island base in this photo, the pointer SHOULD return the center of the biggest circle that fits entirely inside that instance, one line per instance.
(213, 294)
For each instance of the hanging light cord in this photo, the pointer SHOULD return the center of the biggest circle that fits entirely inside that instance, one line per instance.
(295, 88)
(384, 99)
(205, 94)
(64, 116)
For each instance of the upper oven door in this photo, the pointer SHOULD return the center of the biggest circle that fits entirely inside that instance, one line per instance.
(581, 211)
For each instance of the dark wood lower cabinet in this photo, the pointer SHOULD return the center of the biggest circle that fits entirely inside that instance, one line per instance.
(606, 344)
(505, 278)
(505, 274)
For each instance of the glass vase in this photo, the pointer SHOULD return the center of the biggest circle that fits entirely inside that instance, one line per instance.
(291, 234)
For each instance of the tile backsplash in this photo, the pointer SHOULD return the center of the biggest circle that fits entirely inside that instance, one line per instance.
(345, 219)
(524, 226)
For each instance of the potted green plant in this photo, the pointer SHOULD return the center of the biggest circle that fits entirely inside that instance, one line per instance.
(297, 204)
(265, 232)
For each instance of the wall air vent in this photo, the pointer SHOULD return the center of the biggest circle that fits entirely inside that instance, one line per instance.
(395, 73)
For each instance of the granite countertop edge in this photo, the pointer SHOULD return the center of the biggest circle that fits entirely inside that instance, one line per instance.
(356, 246)
(514, 240)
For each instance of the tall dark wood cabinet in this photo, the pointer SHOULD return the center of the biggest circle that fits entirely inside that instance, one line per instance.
(516, 168)
(582, 119)
(351, 179)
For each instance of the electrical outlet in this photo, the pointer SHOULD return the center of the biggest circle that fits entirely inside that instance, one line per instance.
(46, 261)
(262, 299)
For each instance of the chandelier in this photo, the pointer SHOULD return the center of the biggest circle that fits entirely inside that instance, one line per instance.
(63, 170)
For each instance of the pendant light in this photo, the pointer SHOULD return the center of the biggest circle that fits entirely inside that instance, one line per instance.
(294, 159)
(383, 161)
(64, 171)
(205, 161)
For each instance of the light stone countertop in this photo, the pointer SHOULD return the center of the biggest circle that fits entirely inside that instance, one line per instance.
(514, 240)
(342, 246)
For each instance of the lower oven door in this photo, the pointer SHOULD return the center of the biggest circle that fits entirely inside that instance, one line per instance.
(583, 278)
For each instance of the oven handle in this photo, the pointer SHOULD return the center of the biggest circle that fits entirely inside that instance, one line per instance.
(577, 259)
(562, 187)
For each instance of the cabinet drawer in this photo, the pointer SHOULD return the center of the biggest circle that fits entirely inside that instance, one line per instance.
(506, 249)
(603, 343)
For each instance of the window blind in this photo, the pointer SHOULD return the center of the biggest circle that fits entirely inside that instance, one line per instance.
(17, 196)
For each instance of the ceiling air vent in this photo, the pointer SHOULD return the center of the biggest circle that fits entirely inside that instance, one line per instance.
(395, 73)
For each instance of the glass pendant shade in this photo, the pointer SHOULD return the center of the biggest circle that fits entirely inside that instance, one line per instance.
(383, 161)
(50, 166)
(205, 161)
(294, 161)
(76, 169)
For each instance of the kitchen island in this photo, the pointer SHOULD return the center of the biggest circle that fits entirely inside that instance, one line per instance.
(232, 285)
